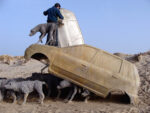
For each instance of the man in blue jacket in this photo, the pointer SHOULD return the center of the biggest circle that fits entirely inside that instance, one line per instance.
(53, 13)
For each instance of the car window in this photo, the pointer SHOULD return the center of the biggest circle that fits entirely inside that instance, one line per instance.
(82, 52)
(107, 61)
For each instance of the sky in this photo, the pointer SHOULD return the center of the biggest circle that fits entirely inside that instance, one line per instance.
(112, 25)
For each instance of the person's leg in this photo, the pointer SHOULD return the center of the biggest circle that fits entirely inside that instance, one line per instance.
(48, 38)
(52, 37)
(56, 44)
(55, 35)
(49, 33)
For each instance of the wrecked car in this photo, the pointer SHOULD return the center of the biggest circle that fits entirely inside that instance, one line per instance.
(89, 67)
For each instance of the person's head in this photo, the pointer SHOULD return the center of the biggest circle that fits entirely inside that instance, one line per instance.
(57, 5)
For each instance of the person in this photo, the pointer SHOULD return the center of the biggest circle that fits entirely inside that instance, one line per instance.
(53, 14)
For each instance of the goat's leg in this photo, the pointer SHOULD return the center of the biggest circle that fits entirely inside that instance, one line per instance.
(39, 90)
(52, 35)
(59, 93)
(41, 95)
(73, 95)
(1, 95)
(41, 37)
(25, 98)
(14, 97)
(86, 99)
(19, 96)
(49, 91)
(48, 42)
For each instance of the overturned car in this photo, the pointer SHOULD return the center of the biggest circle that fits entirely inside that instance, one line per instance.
(89, 67)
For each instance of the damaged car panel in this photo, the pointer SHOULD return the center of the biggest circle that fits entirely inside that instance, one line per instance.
(70, 32)
(91, 68)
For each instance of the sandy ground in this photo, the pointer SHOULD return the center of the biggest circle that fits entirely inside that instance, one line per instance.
(115, 104)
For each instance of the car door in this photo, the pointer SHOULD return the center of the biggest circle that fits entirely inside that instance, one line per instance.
(74, 61)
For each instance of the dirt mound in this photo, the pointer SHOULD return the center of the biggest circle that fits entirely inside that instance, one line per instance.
(12, 60)
(142, 62)
(6, 59)
(144, 71)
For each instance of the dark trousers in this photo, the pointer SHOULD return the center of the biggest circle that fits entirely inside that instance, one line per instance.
(53, 34)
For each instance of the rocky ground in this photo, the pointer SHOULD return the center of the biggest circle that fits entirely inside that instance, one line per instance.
(13, 67)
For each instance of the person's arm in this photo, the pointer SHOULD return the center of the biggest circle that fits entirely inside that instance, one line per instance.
(45, 12)
(59, 15)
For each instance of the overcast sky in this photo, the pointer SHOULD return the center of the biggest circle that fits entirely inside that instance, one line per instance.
(112, 25)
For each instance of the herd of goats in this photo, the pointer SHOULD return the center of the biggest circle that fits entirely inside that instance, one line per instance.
(43, 84)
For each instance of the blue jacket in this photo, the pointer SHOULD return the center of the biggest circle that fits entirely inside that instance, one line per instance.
(53, 13)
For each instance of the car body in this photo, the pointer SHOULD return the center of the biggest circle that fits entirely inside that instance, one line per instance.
(89, 67)
(69, 33)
